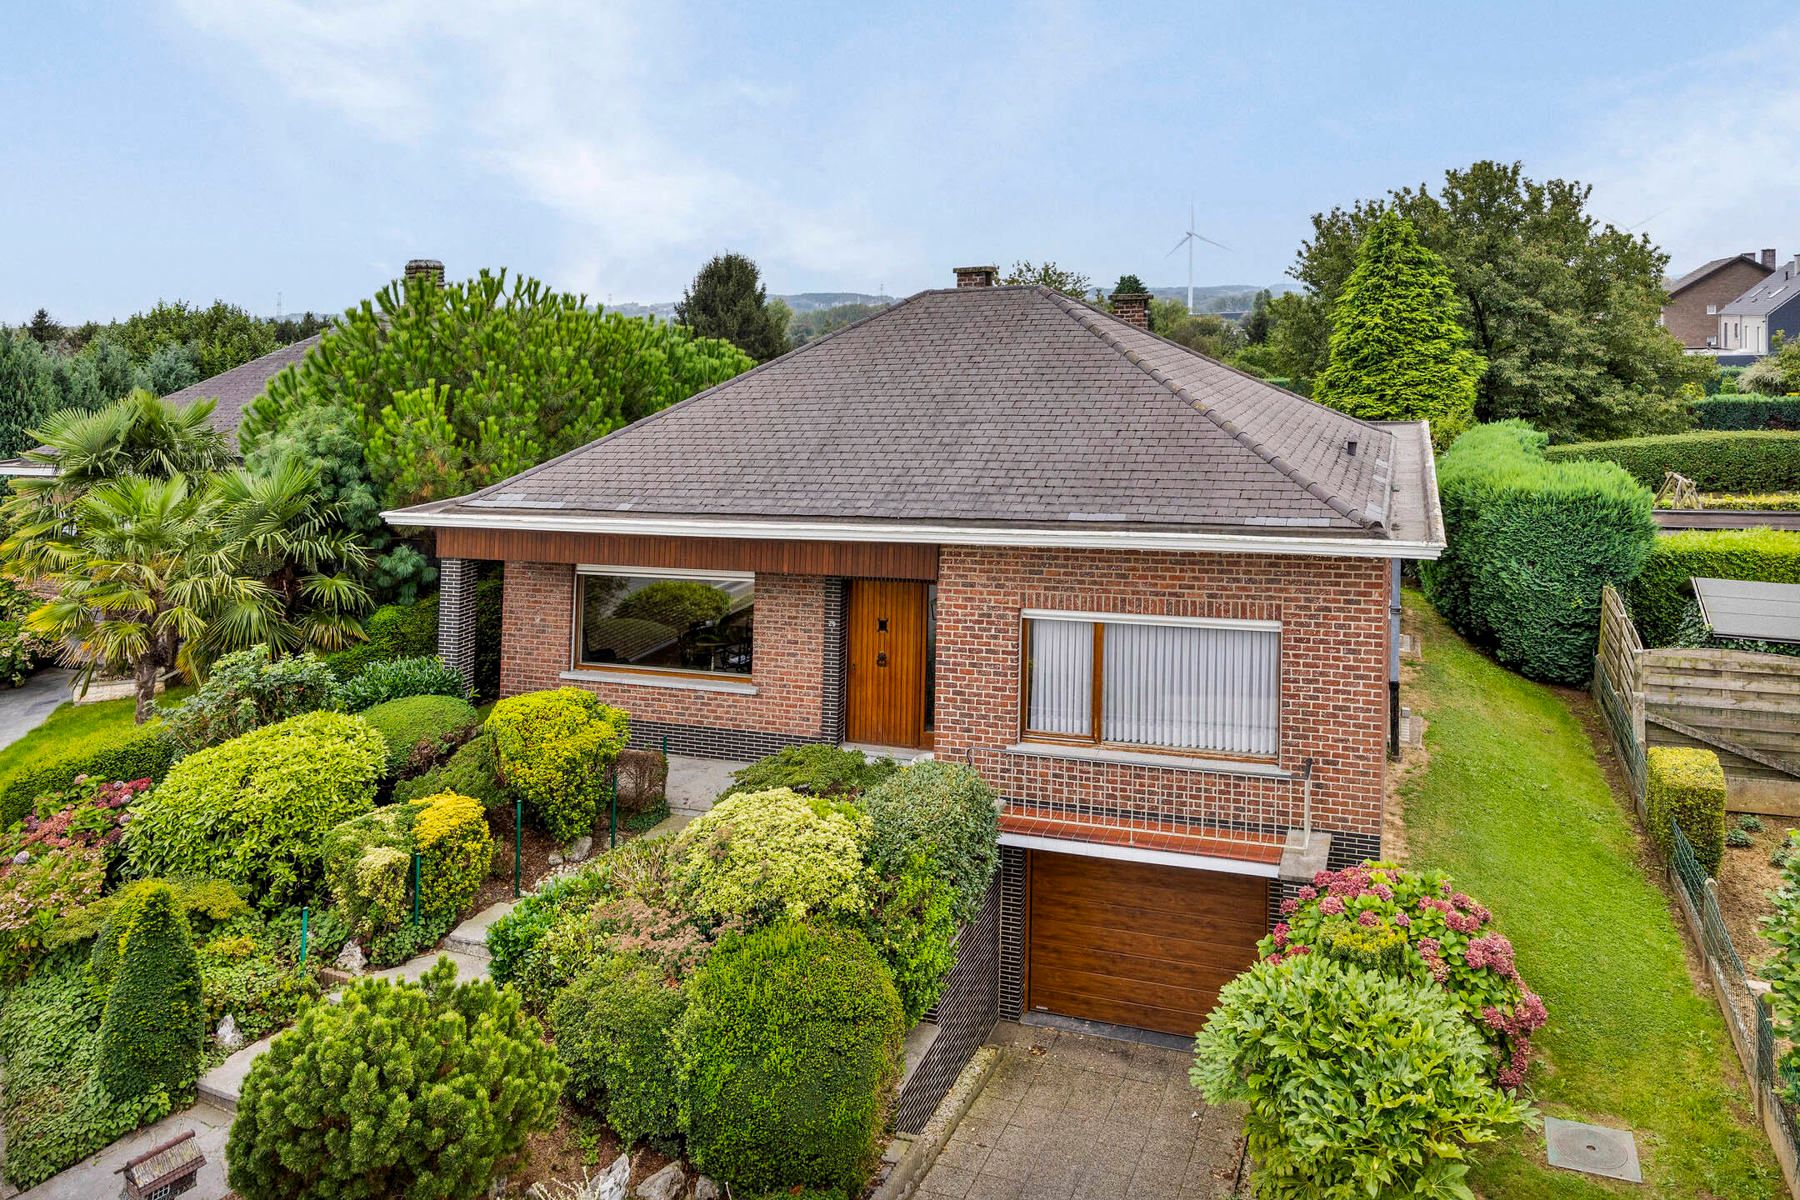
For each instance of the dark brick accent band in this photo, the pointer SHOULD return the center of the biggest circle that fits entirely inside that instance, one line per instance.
(965, 1015)
(1348, 849)
(1012, 932)
(743, 745)
(837, 655)
(456, 616)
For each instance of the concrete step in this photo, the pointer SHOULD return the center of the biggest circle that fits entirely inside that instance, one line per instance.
(221, 1086)
(470, 938)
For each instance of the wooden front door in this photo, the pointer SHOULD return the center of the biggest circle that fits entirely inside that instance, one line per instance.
(886, 701)
(1136, 944)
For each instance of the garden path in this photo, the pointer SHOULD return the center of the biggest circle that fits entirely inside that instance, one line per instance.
(25, 708)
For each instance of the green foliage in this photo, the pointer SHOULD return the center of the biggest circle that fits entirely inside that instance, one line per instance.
(1562, 307)
(246, 691)
(1739, 839)
(1686, 785)
(1397, 352)
(815, 770)
(470, 771)
(788, 1056)
(1130, 285)
(912, 925)
(153, 1025)
(368, 861)
(1694, 631)
(727, 301)
(945, 814)
(1356, 1085)
(255, 810)
(413, 1090)
(553, 748)
(220, 336)
(816, 323)
(1206, 333)
(764, 855)
(452, 387)
(38, 897)
(144, 752)
(1781, 929)
(391, 631)
(420, 730)
(677, 603)
(1748, 461)
(450, 833)
(513, 938)
(27, 390)
(613, 1029)
(1073, 284)
(1730, 411)
(397, 678)
(1777, 374)
(1531, 544)
(408, 940)
(1660, 595)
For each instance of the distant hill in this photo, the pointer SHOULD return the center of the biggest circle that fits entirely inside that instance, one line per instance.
(1221, 297)
(1213, 297)
(800, 302)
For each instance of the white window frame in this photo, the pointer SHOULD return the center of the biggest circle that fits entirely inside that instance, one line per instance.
(625, 673)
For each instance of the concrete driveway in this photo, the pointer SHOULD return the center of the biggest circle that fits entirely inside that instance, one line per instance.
(23, 709)
(1066, 1116)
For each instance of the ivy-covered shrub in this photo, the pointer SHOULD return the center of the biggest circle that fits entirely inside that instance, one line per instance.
(613, 1029)
(944, 813)
(255, 810)
(1531, 545)
(553, 748)
(817, 770)
(246, 691)
(1717, 461)
(1686, 785)
(153, 1024)
(144, 753)
(469, 771)
(399, 1089)
(764, 855)
(912, 925)
(1740, 410)
(393, 631)
(1659, 596)
(1356, 1083)
(1417, 926)
(397, 678)
(421, 730)
(788, 1055)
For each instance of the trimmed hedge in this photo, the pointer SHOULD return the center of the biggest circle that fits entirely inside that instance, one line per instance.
(1732, 410)
(945, 814)
(1686, 785)
(766, 855)
(471, 771)
(394, 631)
(816, 770)
(145, 753)
(154, 1024)
(1660, 595)
(613, 1027)
(553, 748)
(1531, 544)
(1717, 461)
(368, 860)
(420, 730)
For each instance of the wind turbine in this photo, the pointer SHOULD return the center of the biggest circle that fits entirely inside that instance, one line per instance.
(1188, 239)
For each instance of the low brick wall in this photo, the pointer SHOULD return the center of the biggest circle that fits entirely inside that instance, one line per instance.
(965, 1015)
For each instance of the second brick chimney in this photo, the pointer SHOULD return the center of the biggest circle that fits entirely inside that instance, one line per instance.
(1132, 308)
(977, 276)
(1768, 259)
(427, 268)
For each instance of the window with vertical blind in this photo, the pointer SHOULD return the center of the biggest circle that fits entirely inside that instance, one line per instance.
(1173, 683)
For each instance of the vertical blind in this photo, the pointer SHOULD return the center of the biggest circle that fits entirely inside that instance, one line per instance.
(1183, 687)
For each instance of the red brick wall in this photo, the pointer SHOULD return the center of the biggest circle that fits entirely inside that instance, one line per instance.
(537, 640)
(1685, 315)
(1334, 635)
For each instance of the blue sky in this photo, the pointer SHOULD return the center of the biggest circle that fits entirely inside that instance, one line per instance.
(248, 148)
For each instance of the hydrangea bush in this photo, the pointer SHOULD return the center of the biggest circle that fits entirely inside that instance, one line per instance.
(1417, 925)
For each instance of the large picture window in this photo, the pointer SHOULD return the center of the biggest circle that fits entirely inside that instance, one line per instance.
(1164, 682)
(664, 622)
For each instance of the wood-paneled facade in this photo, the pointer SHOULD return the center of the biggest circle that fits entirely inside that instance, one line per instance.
(848, 560)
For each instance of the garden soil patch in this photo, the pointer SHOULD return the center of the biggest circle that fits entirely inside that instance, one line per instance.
(1746, 877)
(575, 1148)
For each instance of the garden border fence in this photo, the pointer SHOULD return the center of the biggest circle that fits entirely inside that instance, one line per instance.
(1744, 1005)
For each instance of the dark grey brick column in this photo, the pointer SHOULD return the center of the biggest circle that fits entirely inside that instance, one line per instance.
(456, 616)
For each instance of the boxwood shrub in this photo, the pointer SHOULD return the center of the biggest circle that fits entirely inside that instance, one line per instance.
(255, 810)
(553, 748)
(1735, 410)
(788, 1055)
(1716, 460)
(1531, 543)
(393, 631)
(1686, 785)
(368, 860)
(1660, 595)
(396, 678)
(613, 1029)
(945, 814)
(144, 753)
(764, 855)
(419, 731)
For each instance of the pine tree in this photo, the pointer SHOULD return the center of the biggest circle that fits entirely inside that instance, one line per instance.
(154, 1024)
(1397, 351)
(43, 328)
(727, 300)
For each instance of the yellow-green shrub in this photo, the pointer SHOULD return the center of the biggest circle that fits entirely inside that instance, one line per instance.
(553, 748)
(1686, 785)
(368, 861)
(772, 854)
(455, 849)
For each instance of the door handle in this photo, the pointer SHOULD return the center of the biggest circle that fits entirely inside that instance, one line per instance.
(881, 659)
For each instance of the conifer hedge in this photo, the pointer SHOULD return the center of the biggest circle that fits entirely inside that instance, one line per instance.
(154, 1022)
(1659, 596)
(1531, 544)
(1757, 460)
(1739, 410)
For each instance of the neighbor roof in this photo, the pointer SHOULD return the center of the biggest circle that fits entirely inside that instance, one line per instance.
(1749, 609)
(1704, 269)
(1768, 295)
(983, 407)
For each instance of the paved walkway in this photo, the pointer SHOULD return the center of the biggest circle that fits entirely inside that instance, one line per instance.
(23, 709)
(1071, 1117)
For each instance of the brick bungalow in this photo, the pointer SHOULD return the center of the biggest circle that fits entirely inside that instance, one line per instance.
(1152, 600)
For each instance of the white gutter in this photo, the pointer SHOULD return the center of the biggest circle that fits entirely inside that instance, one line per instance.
(32, 469)
(917, 534)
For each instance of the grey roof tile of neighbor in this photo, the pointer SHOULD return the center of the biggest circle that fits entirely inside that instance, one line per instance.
(233, 390)
(990, 405)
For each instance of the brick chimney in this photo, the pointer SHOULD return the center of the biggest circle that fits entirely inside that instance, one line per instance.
(977, 276)
(1768, 259)
(426, 268)
(1133, 308)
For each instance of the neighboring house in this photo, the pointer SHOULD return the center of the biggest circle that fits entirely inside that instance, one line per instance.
(1749, 323)
(1692, 310)
(1152, 600)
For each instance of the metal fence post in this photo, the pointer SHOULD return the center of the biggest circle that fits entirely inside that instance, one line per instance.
(612, 804)
(518, 842)
(415, 887)
(303, 931)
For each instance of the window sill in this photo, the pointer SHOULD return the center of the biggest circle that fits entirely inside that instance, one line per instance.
(686, 683)
(1139, 758)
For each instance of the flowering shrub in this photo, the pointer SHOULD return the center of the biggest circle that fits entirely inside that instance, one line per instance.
(776, 853)
(37, 895)
(1417, 926)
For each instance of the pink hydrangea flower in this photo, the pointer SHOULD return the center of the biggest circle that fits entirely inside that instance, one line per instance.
(1368, 919)
(1402, 920)
(1333, 905)
(1288, 907)
(1307, 893)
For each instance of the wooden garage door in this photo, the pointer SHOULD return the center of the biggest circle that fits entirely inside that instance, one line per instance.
(1134, 944)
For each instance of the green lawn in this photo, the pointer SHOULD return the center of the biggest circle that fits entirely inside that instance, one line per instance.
(1514, 805)
(74, 728)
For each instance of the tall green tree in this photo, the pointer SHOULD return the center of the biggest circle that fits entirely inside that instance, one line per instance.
(727, 300)
(1259, 320)
(27, 390)
(1562, 306)
(1130, 285)
(220, 336)
(1069, 283)
(1397, 352)
(1209, 333)
(43, 328)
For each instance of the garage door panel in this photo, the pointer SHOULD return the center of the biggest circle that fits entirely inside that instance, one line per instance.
(1137, 944)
